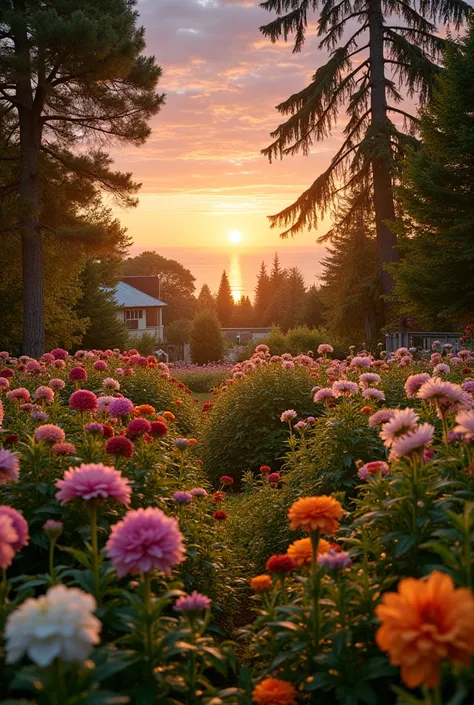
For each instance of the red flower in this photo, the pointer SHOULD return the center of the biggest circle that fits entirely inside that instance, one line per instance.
(11, 439)
(274, 478)
(121, 446)
(467, 371)
(220, 516)
(137, 427)
(226, 480)
(108, 430)
(281, 564)
(83, 400)
(158, 428)
(265, 468)
(218, 496)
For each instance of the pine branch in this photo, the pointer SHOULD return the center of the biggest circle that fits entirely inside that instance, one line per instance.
(335, 33)
(408, 116)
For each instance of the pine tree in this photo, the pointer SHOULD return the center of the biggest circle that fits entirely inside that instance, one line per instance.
(71, 73)
(205, 299)
(207, 339)
(243, 315)
(314, 309)
(435, 277)
(295, 298)
(225, 301)
(262, 295)
(393, 52)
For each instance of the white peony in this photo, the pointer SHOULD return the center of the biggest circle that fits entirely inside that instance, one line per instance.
(59, 624)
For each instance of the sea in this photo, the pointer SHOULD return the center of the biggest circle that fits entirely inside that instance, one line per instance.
(242, 264)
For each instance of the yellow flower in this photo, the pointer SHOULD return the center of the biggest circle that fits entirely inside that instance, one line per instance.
(273, 691)
(424, 623)
(316, 514)
(302, 553)
(261, 583)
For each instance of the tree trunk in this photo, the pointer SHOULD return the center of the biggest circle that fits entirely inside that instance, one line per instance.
(381, 159)
(30, 140)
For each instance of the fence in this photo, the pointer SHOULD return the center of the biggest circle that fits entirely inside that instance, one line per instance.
(420, 340)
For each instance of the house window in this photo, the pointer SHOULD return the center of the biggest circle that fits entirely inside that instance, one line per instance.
(133, 313)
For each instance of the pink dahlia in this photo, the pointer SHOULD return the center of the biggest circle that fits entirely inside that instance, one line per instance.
(120, 446)
(195, 602)
(93, 481)
(414, 382)
(100, 365)
(20, 394)
(49, 433)
(325, 348)
(57, 384)
(380, 417)
(8, 537)
(19, 524)
(145, 539)
(33, 366)
(9, 467)
(59, 364)
(138, 427)
(6, 372)
(120, 407)
(403, 420)
(78, 374)
(44, 394)
(441, 369)
(373, 393)
(59, 354)
(274, 478)
(4, 383)
(413, 442)
(63, 449)
(83, 400)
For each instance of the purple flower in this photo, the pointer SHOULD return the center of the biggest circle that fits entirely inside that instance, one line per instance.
(192, 603)
(120, 406)
(182, 497)
(334, 560)
(182, 443)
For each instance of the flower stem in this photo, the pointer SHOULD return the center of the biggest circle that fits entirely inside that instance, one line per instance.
(315, 585)
(52, 571)
(92, 507)
(149, 621)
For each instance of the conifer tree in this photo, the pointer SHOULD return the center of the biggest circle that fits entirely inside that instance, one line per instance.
(71, 73)
(314, 310)
(224, 301)
(380, 51)
(294, 291)
(207, 340)
(434, 280)
(205, 299)
(243, 314)
(262, 295)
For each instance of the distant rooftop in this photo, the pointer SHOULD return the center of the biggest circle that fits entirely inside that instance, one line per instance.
(127, 296)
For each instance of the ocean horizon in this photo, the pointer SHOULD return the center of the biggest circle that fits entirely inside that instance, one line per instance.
(242, 264)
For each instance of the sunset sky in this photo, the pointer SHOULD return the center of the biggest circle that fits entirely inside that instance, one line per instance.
(201, 170)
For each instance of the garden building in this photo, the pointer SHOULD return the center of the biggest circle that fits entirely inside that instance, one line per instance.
(140, 311)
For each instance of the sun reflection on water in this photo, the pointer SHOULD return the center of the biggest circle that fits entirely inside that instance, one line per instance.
(235, 278)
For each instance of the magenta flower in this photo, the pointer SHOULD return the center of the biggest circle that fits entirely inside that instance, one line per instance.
(78, 374)
(182, 497)
(8, 537)
(100, 365)
(9, 467)
(345, 388)
(93, 481)
(145, 539)
(83, 400)
(49, 433)
(138, 427)
(195, 602)
(274, 478)
(120, 406)
(59, 353)
(19, 524)
(94, 427)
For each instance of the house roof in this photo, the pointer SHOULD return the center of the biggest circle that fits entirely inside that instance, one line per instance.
(127, 296)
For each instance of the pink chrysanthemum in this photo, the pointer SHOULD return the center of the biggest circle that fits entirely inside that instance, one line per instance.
(111, 383)
(344, 388)
(468, 386)
(4, 383)
(104, 403)
(372, 468)
(93, 481)
(59, 364)
(195, 602)
(325, 348)
(120, 407)
(19, 524)
(368, 379)
(83, 400)
(50, 433)
(94, 427)
(380, 417)
(373, 393)
(44, 393)
(465, 424)
(442, 368)
(445, 395)
(9, 467)
(138, 427)
(413, 442)
(414, 382)
(100, 365)
(59, 353)
(403, 421)
(20, 394)
(288, 415)
(361, 361)
(78, 374)
(57, 383)
(144, 540)
(63, 449)
(323, 395)
(33, 366)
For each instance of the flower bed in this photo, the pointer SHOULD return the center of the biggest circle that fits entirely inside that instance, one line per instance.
(127, 576)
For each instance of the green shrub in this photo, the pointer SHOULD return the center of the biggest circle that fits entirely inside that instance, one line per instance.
(207, 339)
(244, 429)
(202, 381)
(296, 341)
(146, 344)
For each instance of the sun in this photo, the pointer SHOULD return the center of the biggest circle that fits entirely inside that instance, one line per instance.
(235, 237)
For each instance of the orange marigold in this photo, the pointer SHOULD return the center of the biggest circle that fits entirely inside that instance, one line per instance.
(169, 415)
(273, 691)
(424, 623)
(302, 553)
(261, 583)
(316, 514)
(144, 410)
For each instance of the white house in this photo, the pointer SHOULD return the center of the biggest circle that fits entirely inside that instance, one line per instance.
(140, 312)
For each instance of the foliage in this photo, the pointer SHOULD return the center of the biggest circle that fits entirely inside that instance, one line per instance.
(438, 264)
(178, 332)
(146, 343)
(207, 339)
(296, 341)
(224, 302)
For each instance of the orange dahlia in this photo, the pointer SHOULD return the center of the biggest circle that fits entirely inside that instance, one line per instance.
(144, 410)
(261, 583)
(169, 415)
(424, 623)
(273, 691)
(316, 514)
(302, 553)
